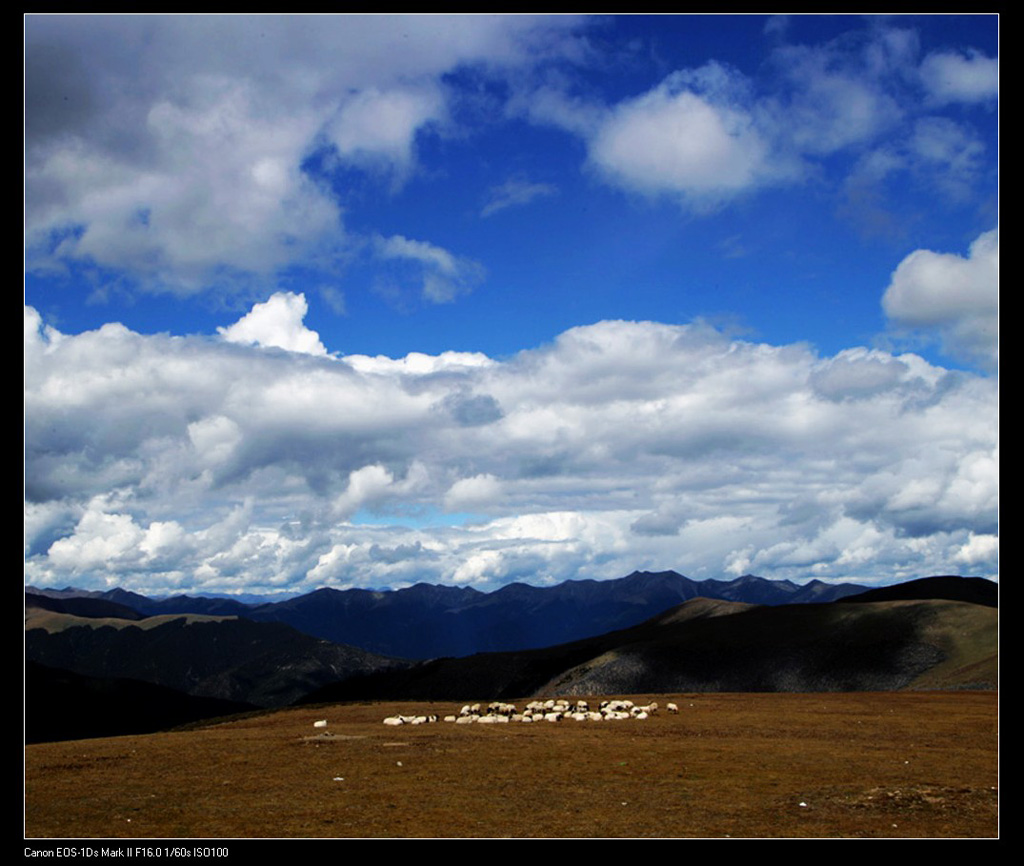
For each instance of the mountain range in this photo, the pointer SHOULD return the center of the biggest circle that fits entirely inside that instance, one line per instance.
(427, 621)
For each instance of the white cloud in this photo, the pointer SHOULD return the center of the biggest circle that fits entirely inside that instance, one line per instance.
(371, 486)
(947, 154)
(378, 128)
(221, 189)
(836, 99)
(101, 540)
(215, 439)
(172, 148)
(951, 76)
(708, 134)
(620, 445)
(440, 275)
(515, 192)
(469, 493)
(978, 549)
(949, 295)
(279, 323)
(857, 374)
(418, 363)
(680, 140)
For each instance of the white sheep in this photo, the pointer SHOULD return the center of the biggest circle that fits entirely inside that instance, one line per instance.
(320, 724)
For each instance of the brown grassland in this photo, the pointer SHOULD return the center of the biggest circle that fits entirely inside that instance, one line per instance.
(884, 765)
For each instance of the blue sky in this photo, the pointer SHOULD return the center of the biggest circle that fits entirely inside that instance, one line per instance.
(366, 300)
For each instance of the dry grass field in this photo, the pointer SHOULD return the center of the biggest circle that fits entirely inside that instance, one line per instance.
(885, 765)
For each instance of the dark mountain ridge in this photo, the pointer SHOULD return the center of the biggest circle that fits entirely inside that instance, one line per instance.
(429, 621)
(975, 590)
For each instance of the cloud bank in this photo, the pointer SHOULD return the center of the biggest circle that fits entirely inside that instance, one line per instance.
(161, 461)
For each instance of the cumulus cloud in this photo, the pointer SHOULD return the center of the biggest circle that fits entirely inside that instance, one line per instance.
(468, 493)
(705, 135)
(952, 297)
(676, 141)
(277, 322)
(857, 374)
(378, 129)
(978, 549)
(164, 146)
(697, 136)
(370, 486)
(217, 188)
(418, 363)
(620, 445)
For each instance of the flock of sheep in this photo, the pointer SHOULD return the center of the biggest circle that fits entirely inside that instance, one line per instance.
(540, 711)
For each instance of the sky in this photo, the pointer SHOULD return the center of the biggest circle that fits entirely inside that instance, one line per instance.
(372, 300)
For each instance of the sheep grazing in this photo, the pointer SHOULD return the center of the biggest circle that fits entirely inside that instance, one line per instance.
(320, 724)
(499, 709)
(551, 710)
(616, 706)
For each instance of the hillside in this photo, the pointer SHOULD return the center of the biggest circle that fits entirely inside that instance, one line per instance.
(61, 705)
(266, 664)
(705, 646)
